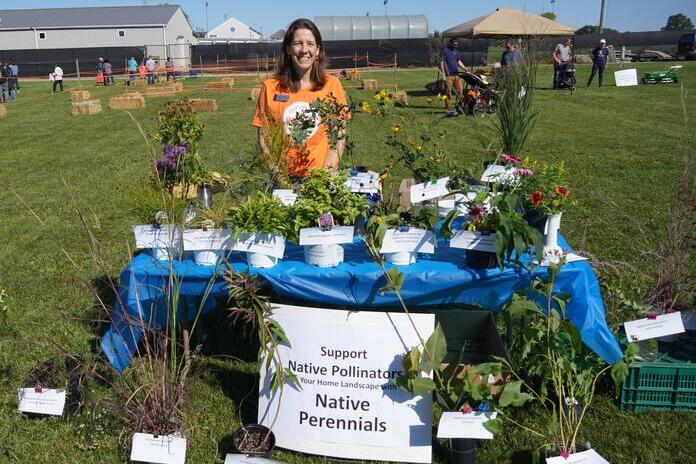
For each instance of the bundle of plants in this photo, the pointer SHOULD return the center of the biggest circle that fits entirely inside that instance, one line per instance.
(207, 235)
(259, 227)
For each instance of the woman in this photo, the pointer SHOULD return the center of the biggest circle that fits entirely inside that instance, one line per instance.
(299, 80)
(108, 72)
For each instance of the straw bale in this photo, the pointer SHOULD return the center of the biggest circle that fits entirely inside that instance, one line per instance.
(400, 97)
(203, 105)
(354, 75)
(138, 83)
(174, 85)
(228, 79)
(3, 111)
(369, 84)
(128, 101)
(86, 108)
(219, 85)
(79, 96)
(255, 92)
(159, 92)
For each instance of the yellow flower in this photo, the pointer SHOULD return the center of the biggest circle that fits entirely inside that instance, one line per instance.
(365, 106)
(378, 220)
(396, 128)
(416, 146)
(442, 96)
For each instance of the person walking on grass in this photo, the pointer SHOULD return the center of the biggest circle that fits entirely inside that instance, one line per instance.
(169, 68)
(57, 78)
(449, 67)
(600, 56)
(14, 79)
(151, 67)
(4, 83)
(561, 55)
(132, 69)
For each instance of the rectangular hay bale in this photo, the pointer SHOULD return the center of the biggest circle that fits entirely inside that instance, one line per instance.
(127, 102)
(3, 111)
(354, 75)
(255, 92)
(219, 85)
(79, 96)
(230, 80)
(160, 92)
(369, 84)
(203, 105)
(175, 86)
(86, 108)
(138, 83)
(400, 97)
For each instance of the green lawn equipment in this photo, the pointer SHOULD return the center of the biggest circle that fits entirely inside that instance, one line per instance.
(662, 77)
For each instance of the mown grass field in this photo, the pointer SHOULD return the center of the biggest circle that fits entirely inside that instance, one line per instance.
(622, 146)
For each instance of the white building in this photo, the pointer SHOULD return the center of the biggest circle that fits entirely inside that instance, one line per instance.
(161, 31)
(233, 30)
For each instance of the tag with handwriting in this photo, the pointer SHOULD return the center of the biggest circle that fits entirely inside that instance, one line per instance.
(661, 326)
(201, 240)
(317, 236)
(287, 196)
(412, 241)
(465, 425)
(429, 190)
(163, 449)
(584, 457)
(473, 241)
(268, 244)
(38, 400)
(149, 236)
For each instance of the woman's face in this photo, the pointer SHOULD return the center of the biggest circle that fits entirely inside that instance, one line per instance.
(304, 50)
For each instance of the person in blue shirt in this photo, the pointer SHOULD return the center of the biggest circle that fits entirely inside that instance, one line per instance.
(449, 66)
(14, 79)
(132, 69)
(600, 56)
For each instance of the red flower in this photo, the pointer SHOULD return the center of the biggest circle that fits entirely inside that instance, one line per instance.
(510, 159)
(536, 198)
(38, 389)
(565, 454)
(562, 191)
(524, 172)
(466, 409)
(477, 212)
(652, 316)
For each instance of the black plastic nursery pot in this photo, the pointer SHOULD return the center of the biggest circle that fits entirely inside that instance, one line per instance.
(462, 450)
(536, 220)
(481, 259)
(254, 439)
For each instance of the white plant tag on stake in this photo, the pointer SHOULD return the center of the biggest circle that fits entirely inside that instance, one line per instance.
(429, 190)
(37, 400)
(660, 326)
(473, 241)
(268, 244)
(584, 457)
(465, 425)
(409, 240)
(287, 196)
(201, 239)
(318, 236)
(364, 182)
(149, 236)
(499, 174)
(244, 459)
(163, 449)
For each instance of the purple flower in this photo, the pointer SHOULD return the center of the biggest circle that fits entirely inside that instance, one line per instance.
(172, 155)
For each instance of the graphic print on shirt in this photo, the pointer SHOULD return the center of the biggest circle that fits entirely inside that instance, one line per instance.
(294, 114)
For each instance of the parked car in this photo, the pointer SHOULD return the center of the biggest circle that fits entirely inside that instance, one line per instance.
(686, 48)
(651, 55)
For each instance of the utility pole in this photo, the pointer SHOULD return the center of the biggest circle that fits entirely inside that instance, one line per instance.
(553, 6)
(385, 7)
(601, 16)
(206, 18)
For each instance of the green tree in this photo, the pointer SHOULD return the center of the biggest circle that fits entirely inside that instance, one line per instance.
(548, 14)
(590, 29)
(678, 22)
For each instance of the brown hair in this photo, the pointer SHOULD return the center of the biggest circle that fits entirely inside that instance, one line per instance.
(285, 71)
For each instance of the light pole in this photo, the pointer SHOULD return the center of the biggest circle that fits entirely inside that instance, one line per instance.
(601, 16)
(206, 18)
(385, 7)
(553, 6)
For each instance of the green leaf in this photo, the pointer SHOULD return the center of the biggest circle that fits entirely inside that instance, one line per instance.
(494, 425)
(436, 346)
(422, 385)
(395, 280)
(512, 396)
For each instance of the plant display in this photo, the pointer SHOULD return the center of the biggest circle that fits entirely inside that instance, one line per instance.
(274, 157)
(545, 189)
(154, 206)
(420, 217)
(326, 192)
(516, 118)
(260, 213)
(328, 112)
(214, 217)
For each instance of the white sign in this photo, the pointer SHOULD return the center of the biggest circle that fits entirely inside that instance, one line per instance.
(569, 257)
(163, 449)
(585, 457)
(41, 401)
(473, 241)
(210, 239)
(348, 406)
(499, 174)
(244, 459)
(364, 182)
(413, 241)
(287, 196)
(429, 190)
(317, 236)
(268, 244)
(465, 425)
(626, 77)
(662, 325)
(155, 237)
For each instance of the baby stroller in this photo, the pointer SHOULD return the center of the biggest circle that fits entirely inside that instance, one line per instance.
(479, 98)
(566, 76)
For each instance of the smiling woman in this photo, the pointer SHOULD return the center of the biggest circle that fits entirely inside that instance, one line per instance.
(300, 80)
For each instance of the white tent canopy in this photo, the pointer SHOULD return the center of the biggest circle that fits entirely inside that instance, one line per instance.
(508, 22)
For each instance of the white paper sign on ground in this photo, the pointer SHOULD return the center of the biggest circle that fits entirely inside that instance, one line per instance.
(626, 77)
(412, 241)
(149, 236)
(211, 239)
(584, 457)
(287, 196)
(46, 401)
(461, 425)
(662, 325)
(268, 244)
(164, 449)
(316, 236)
(244, 459)
(348, 406)
(499, 174)
(429, 190)
(473, 241)
(364, 182)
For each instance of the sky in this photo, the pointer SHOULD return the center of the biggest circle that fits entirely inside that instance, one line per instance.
(267, 16)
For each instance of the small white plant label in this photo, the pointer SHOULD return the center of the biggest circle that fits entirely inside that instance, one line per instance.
(654, 326)
(318, 236)
(473, 241)
(364, 182)
(210, 239)
(499, 174)
(244, 459)
(584, 457)
(409, 240)
(287, 196)
(465, 425)
(149, 236)
(429, 190)
(268, 244)
(162, 449)
(37, 400)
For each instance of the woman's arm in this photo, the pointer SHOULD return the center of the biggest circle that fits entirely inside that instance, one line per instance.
(333, 158)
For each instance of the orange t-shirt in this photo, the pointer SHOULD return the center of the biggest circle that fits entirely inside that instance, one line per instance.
(271, 106)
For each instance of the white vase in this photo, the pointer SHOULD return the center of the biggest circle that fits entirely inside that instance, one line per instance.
(402, 258)
(160, 254)
(323, 255)
(553, 224)
(261, 260)
(206, 257)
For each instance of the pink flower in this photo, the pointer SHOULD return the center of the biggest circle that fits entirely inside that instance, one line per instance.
(669, 310)
(652, 316)
(524, 172)
(565, 454)
(477, 212)
(510, 159)
(467, 409)
(38, 389)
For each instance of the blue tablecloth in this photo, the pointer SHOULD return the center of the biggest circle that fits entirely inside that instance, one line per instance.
(435, 280)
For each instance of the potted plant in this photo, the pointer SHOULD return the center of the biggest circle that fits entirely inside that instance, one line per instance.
(502, 220)
(260, 222)
(206, 234)
(325, 195)
(420, 220)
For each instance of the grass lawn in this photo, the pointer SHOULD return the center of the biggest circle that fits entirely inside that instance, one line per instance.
(622, 146)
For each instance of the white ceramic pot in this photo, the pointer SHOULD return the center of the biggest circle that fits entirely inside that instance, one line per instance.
(160, 254)
(402, 258)
(323, 255)
(261, 260)
(553, 224)
(207, 257)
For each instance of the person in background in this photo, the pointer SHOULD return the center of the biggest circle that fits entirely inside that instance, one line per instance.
(600, 56)
(511, 57)
(100, 71)
(151, 71)
(132, 69)
(108, 72)
(57, 78)
(4, 83)
(14, 79)
(169, 68)
(142, 71)
(561, 55)
(449, 67)
(300, 80)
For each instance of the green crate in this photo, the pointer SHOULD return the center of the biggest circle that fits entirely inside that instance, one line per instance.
(662, 386)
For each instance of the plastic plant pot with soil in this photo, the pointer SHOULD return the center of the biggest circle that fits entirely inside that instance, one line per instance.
(462, 450)
(254, 439)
